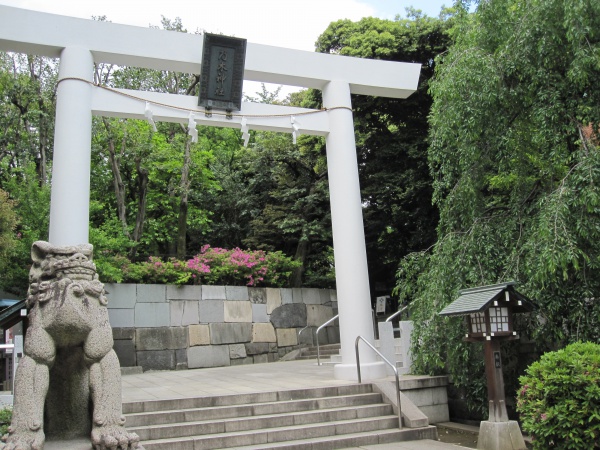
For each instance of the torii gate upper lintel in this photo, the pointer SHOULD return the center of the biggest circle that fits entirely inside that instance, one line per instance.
(80, 42)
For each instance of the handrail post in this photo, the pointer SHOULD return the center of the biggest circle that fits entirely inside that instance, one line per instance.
(317, 334)
(300, 332)
(400, 311)
(360, 338)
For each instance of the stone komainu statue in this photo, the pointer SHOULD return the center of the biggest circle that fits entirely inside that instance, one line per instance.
(68, 384)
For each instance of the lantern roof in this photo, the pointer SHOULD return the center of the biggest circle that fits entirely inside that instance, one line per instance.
(480, 298)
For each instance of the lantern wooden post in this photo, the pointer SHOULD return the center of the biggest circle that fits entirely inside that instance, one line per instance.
(489, 310)
(495, 382)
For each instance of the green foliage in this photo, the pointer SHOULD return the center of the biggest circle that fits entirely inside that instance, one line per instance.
(515, 177)
(27, 102)
(27, 97)
(559, 398)
(156, 271)
(110, 244)
(392, 137)
(5, 418)
(213, 266)
(32, 208)
(8, 223)
(241, 267)
(272, 196)
(290, 183)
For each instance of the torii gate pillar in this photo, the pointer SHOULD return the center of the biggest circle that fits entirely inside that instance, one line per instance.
(352, 279)
(70, 195)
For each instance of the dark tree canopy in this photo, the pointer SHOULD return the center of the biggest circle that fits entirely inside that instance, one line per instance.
(516, 170)
(392, 139)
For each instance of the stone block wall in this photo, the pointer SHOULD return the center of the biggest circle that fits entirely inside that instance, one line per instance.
(163, 327)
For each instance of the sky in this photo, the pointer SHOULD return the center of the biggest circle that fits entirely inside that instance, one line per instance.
(283, 23)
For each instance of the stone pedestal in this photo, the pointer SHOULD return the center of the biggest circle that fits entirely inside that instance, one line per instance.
(500, 436)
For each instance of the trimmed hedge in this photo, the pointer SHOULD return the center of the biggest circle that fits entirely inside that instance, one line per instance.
(559, 398)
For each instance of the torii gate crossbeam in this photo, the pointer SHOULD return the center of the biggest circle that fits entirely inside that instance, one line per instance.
(79, 43)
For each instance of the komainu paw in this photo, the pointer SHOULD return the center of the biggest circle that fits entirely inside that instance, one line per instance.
(23, 440)
(115, 437)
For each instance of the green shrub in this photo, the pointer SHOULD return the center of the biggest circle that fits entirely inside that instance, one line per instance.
(156, 271)
(559, 398)
(214, 266)
(5, 418)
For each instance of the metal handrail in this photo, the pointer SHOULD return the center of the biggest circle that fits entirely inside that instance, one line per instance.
(360, 338)
(300, 332)
(400, 311)
(317, 333)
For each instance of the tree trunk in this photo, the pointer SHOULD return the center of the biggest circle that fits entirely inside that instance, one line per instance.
(42, 149)
(183, 201)
(117, 179)
(142, 194)
(302, 251)
(42, 132)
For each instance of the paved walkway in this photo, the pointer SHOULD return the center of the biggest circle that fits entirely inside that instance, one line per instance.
(410, 445)
(162, 385)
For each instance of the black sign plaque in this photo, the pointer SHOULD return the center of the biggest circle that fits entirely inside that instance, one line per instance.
(497, 360)
(222, 76)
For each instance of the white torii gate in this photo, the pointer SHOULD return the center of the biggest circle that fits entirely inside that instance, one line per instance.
(79, 43)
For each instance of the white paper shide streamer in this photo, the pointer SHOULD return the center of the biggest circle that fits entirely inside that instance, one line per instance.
(245, 132)
(295, 129)
(149, 116)
(192, 130)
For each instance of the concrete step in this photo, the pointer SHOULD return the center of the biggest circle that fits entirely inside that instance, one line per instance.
(226, 412)
(252, 423)
(317, 418)
(313, 355)
(230, 400)
(323, 351)
(353, 440)
(326, 351)
(271, 435)
(323, 348)
(335, 359)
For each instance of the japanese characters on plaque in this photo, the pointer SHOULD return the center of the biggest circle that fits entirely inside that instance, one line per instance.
(222, 76)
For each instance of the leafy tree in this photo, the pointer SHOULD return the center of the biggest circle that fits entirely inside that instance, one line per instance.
(27, 99)
(8, 223)
(392, 138)
(230, 202)
(295, 215)
(274, 196)
(515, 178)
(154, 174)
(30, 203)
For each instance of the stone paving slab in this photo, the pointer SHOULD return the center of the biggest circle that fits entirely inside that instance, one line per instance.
(426, 444)
(152, 385)
(78, 444)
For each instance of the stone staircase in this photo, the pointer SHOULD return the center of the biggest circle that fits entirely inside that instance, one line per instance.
(326, 351)
(332, 356)
(311, 419)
